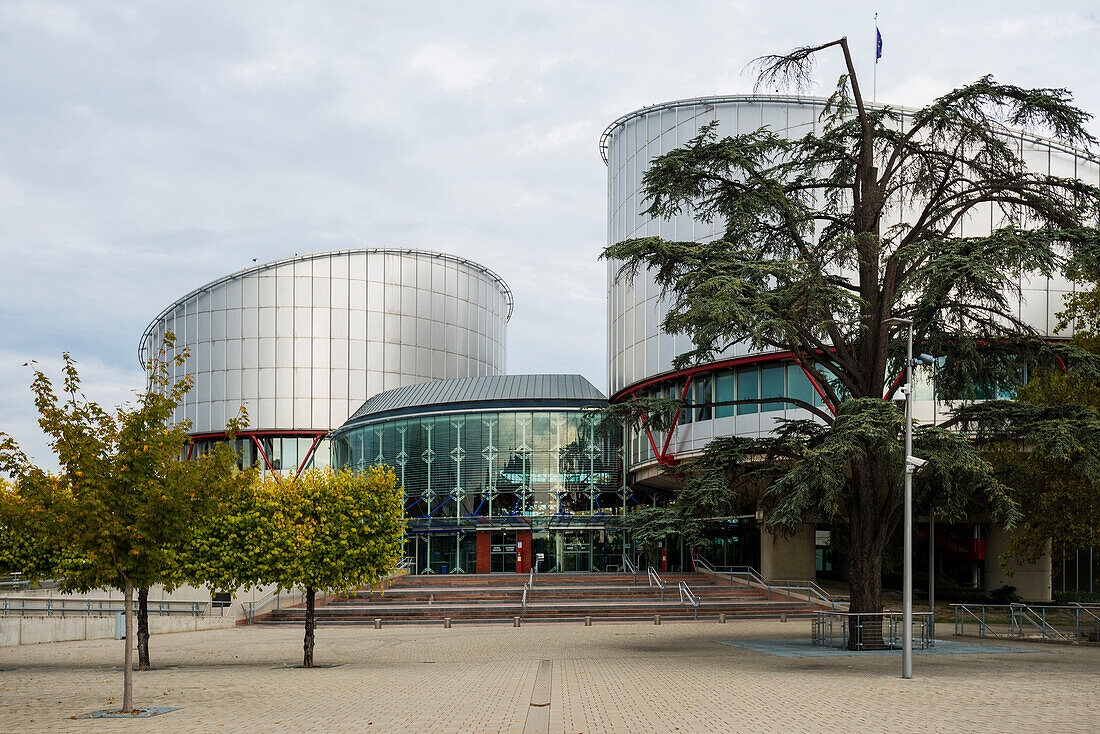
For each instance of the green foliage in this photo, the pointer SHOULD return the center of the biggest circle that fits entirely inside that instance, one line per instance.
(814, 259)
(651, 525)
(33, 514)
(123, 505)
(330, 531)
(1084, 597)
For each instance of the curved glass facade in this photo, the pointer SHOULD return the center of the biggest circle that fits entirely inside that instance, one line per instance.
(495, 490)
(499, 464)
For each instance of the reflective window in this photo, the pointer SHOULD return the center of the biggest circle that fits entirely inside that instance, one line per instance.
(725, 389)
(748, 387)
(771, 386)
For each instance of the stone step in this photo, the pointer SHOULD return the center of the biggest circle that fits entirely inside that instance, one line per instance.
(681, 612)
(476, 594)
(502, 611)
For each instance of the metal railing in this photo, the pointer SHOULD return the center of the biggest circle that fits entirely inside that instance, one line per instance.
(523, 601)
(629, 567)
(752, 577)
(406, 564)
(279, 599)
(1060, 623)
(870, 630)
(13, 582)
(62, 606)
(687, 597)
(531, 576)
(655, 578)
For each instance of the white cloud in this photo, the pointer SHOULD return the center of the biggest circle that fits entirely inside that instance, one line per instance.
(148, 148)
(454, 67)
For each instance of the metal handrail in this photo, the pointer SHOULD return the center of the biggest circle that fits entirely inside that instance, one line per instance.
(655, 578)
(1022, 613)
(685, 593)
(1022, 616)
(629, 566)
(523, 612)
(1086, 610)
(752, 576)
(60, 606)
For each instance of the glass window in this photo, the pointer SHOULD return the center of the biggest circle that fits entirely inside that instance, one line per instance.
(798, 385)
(676, 392)
(748, 387)
(703, 394)
(771, 386)
(725, 389)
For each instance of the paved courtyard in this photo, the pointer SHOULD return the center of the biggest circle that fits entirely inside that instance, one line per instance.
(606, 678)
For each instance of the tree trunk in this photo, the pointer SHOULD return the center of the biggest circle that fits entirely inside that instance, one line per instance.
(311, 624)
(866, 541)
(128, 656)
(143, 628)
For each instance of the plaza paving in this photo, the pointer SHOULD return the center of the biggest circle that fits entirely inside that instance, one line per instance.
(605, 678)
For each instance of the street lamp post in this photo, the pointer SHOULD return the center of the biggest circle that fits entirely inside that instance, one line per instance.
(911, 463)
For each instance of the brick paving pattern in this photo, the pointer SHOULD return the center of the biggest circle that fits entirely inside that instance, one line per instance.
(604, 678)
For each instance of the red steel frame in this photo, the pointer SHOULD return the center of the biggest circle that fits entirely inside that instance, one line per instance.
(663, 456)
(257, 435)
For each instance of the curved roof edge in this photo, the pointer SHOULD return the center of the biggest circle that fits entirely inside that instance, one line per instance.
(145, 335)
(470, 393)
(800, 99)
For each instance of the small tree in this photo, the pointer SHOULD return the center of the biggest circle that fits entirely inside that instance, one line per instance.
(123, 505)
(326, 531)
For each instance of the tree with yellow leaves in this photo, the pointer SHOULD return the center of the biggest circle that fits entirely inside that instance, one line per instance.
(325, 531)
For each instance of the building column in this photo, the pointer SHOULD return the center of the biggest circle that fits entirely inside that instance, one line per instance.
(524, 536)
(1032, 581)
(789, 557)
(483, 540)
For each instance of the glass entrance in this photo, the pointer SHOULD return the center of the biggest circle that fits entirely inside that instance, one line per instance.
(577, 550)
(502, 552)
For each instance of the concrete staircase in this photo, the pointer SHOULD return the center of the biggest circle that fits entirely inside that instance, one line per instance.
(555, 597)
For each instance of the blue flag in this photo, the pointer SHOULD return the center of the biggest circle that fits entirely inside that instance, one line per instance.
(878, 45)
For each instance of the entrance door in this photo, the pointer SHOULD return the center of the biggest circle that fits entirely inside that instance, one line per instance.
(502, 552)
(578, 550)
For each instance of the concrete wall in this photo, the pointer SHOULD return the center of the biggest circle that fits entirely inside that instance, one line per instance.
(1032, 582)
(793, 557)
(33, 630)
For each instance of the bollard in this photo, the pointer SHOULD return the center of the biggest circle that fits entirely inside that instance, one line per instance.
(515, 621)
(783, 617)
(722, 618)
(378, 624)
(446, 623)
(588, 621)
(656, 619)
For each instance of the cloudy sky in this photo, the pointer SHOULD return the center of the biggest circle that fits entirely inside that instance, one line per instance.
(149, 147)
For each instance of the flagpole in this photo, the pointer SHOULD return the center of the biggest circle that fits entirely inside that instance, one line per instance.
(874, 76)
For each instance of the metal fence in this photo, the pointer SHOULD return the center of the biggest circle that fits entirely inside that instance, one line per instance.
(61, 606)
(870, 630)
(1060, 623)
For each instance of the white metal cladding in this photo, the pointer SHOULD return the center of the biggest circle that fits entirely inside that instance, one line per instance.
(302, 342)
(637, 347)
